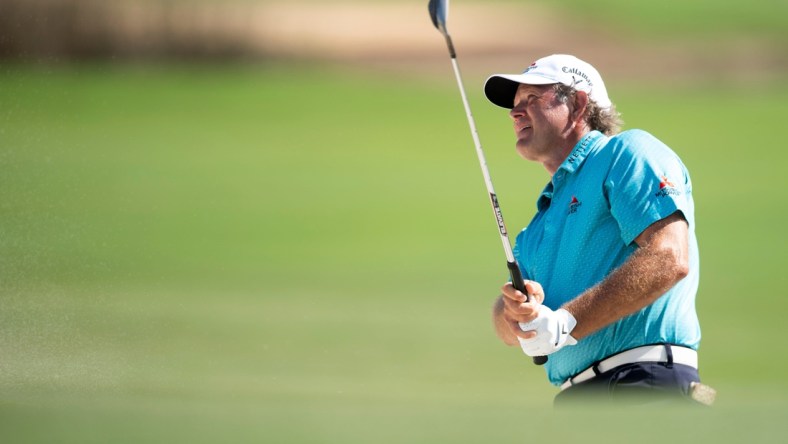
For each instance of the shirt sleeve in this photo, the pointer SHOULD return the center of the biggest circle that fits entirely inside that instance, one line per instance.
(647, 182)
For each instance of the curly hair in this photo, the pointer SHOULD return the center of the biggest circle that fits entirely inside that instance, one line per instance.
(605, 120)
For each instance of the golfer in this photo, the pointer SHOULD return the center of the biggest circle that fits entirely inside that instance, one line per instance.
(610, 259)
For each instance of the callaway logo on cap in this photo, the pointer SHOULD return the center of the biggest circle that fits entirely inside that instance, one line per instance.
(500, 89)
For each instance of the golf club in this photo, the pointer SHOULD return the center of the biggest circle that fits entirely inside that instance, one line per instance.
(439, 11)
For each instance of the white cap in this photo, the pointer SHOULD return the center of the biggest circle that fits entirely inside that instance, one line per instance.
(500, 89)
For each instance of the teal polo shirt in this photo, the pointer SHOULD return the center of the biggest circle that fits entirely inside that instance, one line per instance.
(606, 192)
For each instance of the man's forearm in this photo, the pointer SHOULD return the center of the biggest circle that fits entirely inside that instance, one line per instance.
(643, 278)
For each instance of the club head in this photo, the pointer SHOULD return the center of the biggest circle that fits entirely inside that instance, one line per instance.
(439, 12)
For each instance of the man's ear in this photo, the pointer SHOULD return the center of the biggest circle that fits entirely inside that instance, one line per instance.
(579, 106)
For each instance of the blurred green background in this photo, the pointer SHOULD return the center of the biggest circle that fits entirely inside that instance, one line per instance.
(258, 245)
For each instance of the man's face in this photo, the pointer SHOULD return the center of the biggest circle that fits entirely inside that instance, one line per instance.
(541, 123)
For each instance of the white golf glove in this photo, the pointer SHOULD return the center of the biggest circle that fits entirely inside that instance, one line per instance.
(552, 332)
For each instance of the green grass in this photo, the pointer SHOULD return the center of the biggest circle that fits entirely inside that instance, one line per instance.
(282, 254)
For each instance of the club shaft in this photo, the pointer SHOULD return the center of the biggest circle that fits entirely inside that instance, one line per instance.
(507, 248)
(514, 270)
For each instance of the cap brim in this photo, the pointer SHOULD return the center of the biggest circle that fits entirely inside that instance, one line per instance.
(500, 89)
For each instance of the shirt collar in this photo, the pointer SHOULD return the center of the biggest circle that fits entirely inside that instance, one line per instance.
(545, 197)
(570, 165)
(580, 152)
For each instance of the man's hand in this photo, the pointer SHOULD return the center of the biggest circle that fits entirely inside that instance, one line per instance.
(511, 308)
(548, 333)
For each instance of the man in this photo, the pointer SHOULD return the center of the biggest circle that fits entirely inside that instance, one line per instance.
(610, 258)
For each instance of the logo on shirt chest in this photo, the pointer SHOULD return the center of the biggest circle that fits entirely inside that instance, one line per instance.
(574, 205)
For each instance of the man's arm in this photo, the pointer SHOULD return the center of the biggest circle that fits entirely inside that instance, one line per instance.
(661, 261)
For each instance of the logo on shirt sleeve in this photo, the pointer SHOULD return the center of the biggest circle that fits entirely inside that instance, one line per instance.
(666, 188)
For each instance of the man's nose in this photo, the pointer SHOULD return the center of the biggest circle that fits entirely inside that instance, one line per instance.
(516, 112)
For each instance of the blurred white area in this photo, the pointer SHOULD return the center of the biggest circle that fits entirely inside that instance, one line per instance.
(390, 35)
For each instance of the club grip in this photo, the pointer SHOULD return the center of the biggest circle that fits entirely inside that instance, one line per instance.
(517, 282)
(517, 278)
(540, 360)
